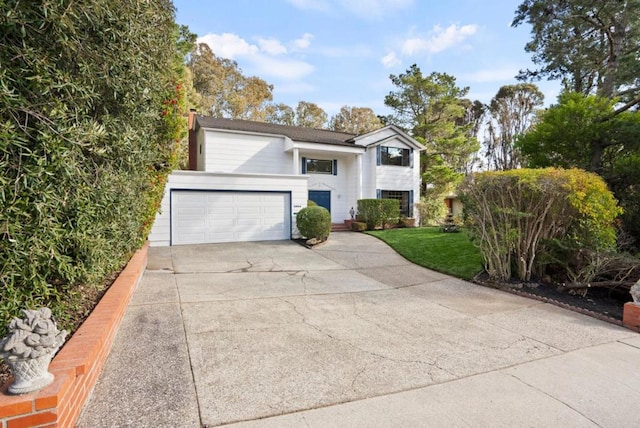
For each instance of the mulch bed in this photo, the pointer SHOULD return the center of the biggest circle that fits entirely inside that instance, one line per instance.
(601, 303)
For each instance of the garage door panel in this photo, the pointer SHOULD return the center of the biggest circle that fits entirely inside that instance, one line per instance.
(215, 216)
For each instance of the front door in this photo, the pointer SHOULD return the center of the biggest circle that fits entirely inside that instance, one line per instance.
(321, 197)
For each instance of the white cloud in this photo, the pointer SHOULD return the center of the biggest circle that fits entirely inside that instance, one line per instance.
(440, 39)
(283, 68)
(390, 60)
(271, 46)
(303, 42)
(268, 60)
(374, 9)
(228, 45)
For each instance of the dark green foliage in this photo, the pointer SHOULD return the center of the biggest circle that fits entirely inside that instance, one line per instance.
(314, 222)
(89, 115)
(378, 212)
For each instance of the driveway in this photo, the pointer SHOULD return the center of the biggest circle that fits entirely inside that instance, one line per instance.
(352, 334)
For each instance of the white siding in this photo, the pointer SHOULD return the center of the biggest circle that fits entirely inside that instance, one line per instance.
(195, 180)
(343, 186)
(375, 136)
(245, 153)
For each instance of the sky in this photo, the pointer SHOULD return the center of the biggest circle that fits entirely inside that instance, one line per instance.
(341, 52)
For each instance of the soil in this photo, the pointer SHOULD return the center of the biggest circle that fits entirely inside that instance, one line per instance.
(602, 303)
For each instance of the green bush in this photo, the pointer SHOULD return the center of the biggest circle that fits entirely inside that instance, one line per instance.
(513, 215)
(92, 107)
(314, 222)
(378, 212)
(358, 226)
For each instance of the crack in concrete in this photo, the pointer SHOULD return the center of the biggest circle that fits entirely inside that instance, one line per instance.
(353, 345)
(553, 398)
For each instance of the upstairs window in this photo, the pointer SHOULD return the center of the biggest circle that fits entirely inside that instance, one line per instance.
(319, 166)
(395, 156)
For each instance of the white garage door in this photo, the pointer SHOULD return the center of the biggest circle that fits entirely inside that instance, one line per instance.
(201, 217)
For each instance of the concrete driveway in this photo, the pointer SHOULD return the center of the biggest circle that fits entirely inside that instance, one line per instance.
(351, 334)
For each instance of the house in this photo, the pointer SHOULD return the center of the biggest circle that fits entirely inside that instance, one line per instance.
(248, 180)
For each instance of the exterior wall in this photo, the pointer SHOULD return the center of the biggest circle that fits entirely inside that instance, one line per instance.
(245, 153)
(376, 136)
(195, 180)
(457, 207)
(342, 186)
(391, 177)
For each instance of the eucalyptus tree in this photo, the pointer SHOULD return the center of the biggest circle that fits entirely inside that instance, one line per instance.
(357, 120)
(511, 112)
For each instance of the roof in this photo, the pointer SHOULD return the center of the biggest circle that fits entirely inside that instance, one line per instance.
(296, 133)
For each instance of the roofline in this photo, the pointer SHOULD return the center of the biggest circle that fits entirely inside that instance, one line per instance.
(410, 140)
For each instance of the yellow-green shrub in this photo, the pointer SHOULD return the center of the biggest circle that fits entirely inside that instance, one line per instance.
(513, 213)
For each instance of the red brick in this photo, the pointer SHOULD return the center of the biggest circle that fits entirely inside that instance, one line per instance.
(631, 316)
(32, 420)
(15, 407)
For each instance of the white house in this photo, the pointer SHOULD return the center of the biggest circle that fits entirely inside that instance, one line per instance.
(248, 180)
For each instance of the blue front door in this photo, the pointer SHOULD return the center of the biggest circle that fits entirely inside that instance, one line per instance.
(321, 197)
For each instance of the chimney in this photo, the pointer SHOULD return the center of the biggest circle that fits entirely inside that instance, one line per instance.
(193, 140)
(191, 118)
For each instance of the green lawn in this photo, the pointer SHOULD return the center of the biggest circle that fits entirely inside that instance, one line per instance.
(450, 253)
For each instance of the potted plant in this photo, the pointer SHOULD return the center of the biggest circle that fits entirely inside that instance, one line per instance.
(28, 349)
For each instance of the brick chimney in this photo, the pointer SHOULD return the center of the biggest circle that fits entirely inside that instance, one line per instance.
(193, 140)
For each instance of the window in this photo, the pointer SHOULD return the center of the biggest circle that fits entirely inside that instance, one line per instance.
(319, 166)
(395, 156)
(403, 197)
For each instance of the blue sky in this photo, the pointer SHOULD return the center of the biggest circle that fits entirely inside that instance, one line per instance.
(341, 52)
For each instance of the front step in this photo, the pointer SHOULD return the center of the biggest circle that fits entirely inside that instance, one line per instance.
(340, 227)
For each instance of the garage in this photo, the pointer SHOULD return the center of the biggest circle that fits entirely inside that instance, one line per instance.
(209, 216)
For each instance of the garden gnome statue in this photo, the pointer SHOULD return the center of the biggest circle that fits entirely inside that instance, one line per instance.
(28, 349)
(635, 292)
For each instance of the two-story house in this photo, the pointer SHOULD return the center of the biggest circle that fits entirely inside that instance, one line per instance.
(248, 180)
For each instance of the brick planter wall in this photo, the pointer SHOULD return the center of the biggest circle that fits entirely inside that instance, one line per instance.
(78, 364)
(631, 316)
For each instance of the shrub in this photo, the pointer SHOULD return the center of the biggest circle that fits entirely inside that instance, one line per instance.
(314, 222)
(92, 107)
(358, 226)
(431, 209)
(310, 203)
(513, 213)
(378, 212)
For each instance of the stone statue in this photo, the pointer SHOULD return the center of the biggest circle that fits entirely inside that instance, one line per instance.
(28, 349)
(635, 292)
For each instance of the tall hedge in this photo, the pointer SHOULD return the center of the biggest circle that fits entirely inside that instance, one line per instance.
(378, 212)
(512, 214)
(90, 112)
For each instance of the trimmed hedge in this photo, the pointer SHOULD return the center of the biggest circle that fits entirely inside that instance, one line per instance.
(314, 222)
(92, 108)
(378, 212)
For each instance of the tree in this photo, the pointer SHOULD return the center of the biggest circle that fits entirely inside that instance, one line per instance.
(310, 115)
(593, 46)
(356, 120)
(280, 114)
(511, 112)
(583, 132)
(433, 108)
(224, 91)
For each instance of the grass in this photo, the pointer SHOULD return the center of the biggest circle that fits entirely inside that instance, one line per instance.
(450, 253)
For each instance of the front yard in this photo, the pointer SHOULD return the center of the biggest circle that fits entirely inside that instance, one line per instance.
(450, 253)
